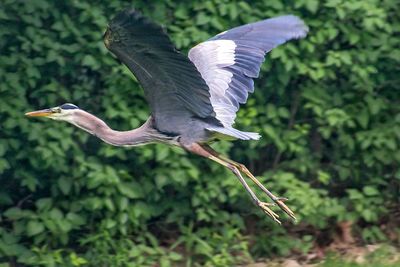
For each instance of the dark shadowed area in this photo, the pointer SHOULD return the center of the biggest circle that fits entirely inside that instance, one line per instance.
(327, 107)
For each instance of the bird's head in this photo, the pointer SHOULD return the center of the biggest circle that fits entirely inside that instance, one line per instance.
(64, 112)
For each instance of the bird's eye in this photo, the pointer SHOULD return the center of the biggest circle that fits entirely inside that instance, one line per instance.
(56, 110)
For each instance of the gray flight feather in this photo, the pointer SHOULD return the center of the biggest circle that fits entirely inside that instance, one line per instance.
(173, 86)
(229, 61)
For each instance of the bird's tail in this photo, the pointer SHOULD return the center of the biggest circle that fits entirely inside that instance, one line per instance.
(232, 132)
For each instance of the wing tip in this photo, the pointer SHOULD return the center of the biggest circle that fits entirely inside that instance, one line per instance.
(301, 28)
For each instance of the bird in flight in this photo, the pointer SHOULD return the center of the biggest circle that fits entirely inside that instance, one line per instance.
(193, 99)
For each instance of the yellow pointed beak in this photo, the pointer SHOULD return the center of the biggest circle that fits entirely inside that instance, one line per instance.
(39, 113)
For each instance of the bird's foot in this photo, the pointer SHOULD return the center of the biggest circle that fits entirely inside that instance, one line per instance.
(280, 202)
(265, 207)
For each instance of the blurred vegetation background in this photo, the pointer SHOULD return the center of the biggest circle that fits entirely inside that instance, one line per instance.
(328, 109)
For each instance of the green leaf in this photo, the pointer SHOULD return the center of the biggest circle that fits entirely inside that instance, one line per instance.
(90, 61)
(131, 190)
(65, 185)
(34, 228)
(13, 213)
(202, 19)
(370, 191)
(312, 5)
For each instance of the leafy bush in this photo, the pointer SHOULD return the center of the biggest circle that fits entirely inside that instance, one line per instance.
(327, 107)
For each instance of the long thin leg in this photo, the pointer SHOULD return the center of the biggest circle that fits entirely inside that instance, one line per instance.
(198, 149)
(263, 205)
(278, 200)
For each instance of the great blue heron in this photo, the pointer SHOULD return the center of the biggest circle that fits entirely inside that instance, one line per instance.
(194, 99)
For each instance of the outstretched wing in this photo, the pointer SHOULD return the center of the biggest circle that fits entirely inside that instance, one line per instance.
(229, 61)
(172, 84)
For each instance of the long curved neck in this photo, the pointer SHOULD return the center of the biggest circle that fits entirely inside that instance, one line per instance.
(140, 136)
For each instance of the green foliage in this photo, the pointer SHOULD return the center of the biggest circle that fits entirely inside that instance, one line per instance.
(327, 107)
